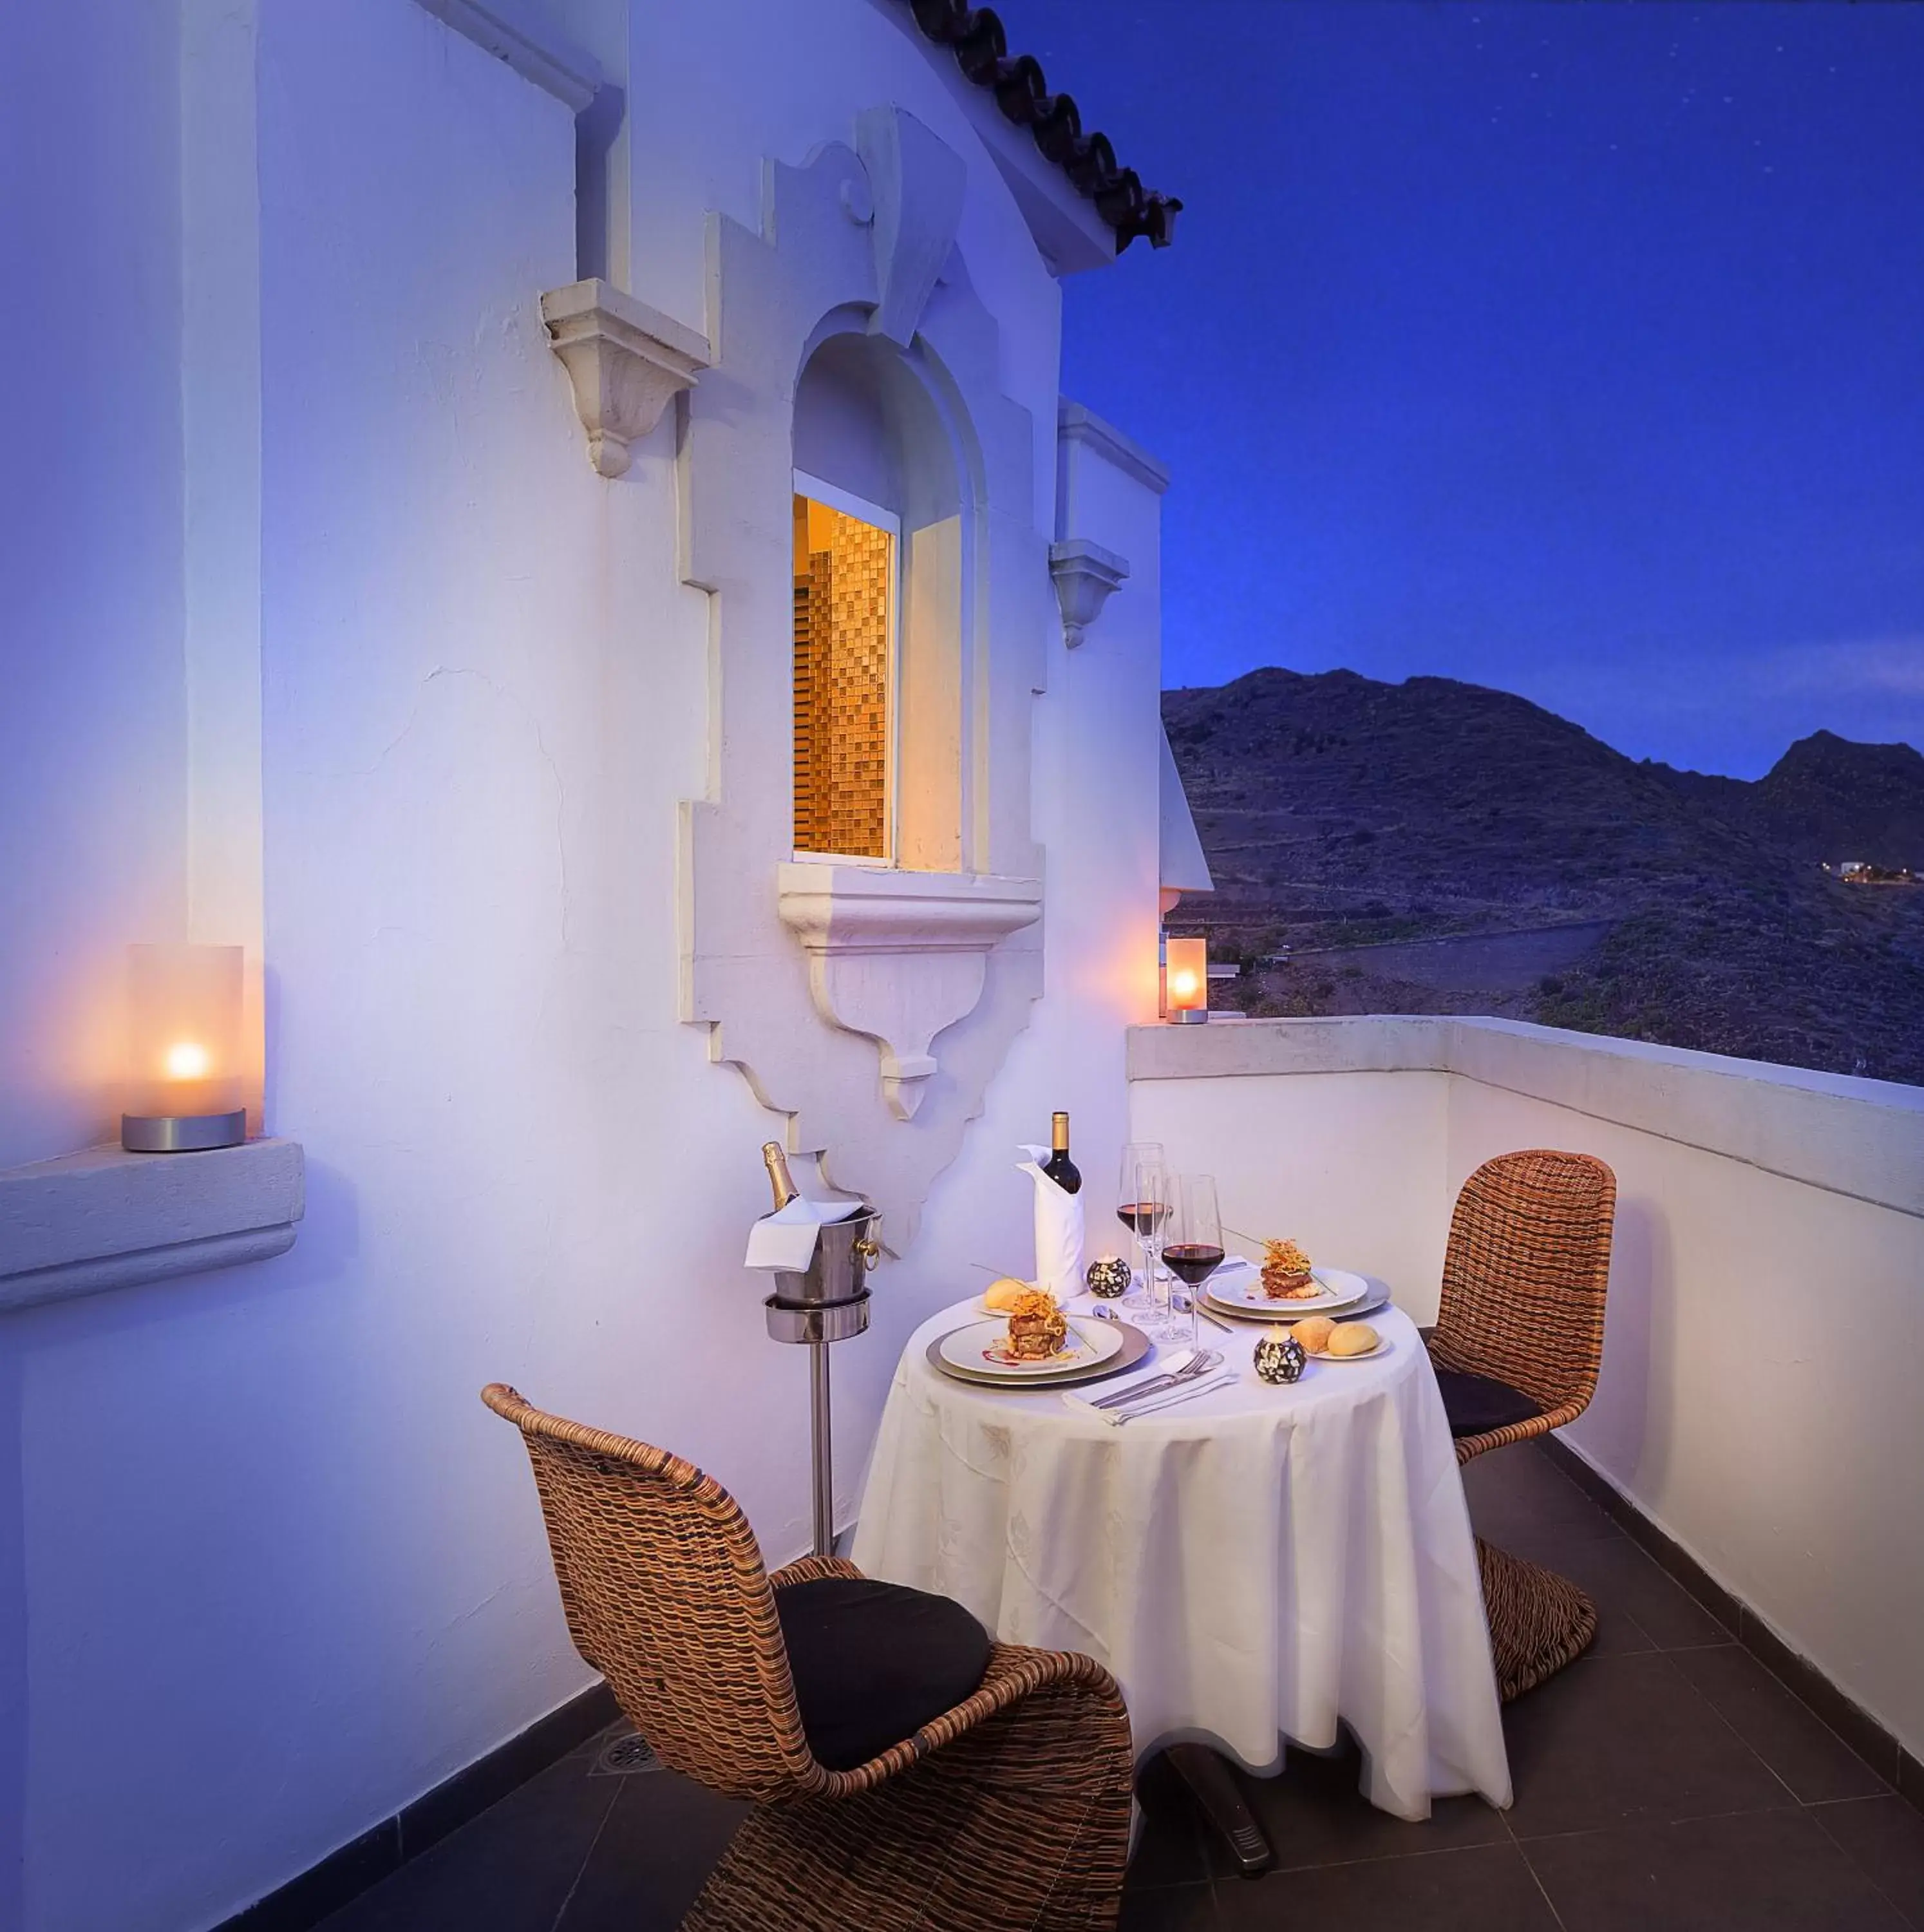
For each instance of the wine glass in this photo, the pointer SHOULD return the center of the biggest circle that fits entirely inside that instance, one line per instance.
(1142, 1201)
(1192, 1248)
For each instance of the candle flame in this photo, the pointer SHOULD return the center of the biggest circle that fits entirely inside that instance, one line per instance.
(1184, 983)
(186, 1060)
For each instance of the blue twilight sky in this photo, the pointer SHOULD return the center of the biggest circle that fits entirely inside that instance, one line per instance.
(1577, 349)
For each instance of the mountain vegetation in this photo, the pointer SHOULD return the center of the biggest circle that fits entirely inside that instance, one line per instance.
(1433, 846)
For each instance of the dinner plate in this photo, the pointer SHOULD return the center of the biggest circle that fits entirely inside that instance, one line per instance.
(1239, 1292)
(1268, 1318)
(1130, 1349)
(975, 1346)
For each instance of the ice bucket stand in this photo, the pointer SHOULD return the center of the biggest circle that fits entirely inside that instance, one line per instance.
(828, 1303)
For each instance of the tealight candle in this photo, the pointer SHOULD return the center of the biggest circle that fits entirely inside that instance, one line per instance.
(1280, 1356)
(186, 1087)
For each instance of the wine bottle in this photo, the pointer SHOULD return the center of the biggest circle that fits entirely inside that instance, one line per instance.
(1062, 1171)
(781, 1181)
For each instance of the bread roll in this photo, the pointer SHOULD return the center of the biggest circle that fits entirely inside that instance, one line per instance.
(1000, 1297)
(1313, 1332)
(1352, 1338)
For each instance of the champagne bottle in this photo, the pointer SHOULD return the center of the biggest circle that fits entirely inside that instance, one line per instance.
(781, 1181)
(1062, 1171)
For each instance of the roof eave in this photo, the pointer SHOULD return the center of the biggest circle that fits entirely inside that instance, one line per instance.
(1074, 230)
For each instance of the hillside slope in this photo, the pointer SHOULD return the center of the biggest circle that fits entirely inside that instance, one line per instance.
(1338, 812)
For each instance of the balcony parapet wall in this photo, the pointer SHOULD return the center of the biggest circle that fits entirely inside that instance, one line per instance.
(1863, 1139)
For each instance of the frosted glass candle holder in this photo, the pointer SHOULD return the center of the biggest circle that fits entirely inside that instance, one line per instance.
(185, 1080)
(1186, 981)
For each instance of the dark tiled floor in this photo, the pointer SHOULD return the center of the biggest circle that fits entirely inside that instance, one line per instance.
(1666, 1782)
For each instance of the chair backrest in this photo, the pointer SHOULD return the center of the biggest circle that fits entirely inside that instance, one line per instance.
(662, 1585)
(1526, 1273)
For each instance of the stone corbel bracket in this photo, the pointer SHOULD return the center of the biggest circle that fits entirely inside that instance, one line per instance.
(1085, 573)
(897, 956)
(627, 362)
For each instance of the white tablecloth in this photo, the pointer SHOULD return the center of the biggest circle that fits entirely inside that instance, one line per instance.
(1253, 1565)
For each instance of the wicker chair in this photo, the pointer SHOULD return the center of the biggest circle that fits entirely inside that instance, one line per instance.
(1524, 1283)
(1011, 1810)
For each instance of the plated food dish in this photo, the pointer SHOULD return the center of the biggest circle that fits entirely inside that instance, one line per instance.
(1096, 1350)
(1237, 1288)
(1038, 1331)
(1033, 1336)
(1287, 1273)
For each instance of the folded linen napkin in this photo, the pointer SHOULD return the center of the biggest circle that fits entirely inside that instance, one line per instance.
(1209, 1384)
(1153, 1370)
(1059, 1229)
(785, 1241)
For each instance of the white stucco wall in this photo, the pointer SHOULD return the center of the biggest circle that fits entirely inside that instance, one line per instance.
(92, 702)
(92, 705)
(1765, 1330)
(261, 1515)
(1759, 1397)
(1348, 1163)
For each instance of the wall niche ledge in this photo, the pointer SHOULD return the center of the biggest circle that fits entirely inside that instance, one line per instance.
(103, 1218)
(897, 956)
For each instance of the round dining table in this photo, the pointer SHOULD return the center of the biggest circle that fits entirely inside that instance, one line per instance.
(1257, 1565)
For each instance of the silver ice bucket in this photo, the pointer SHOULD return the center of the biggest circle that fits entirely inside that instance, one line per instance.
(845, 1251)
(826, 1302)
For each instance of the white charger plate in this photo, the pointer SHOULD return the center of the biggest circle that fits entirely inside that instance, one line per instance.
(1091, 1344)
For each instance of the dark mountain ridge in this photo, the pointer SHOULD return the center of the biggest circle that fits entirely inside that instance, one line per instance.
(1338, 811)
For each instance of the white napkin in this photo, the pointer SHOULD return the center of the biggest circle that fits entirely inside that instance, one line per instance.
(1058, 1229)
(785, 1241)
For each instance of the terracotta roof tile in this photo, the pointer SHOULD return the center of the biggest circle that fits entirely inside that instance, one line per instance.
(981, 51)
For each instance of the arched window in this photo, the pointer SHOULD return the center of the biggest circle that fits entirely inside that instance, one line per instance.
(878, 754)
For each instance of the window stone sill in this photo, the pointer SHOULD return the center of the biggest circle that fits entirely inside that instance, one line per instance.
(103, 1218)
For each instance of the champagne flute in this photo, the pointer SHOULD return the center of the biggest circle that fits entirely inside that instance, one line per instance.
(1141, 1203)
(1193, 1250)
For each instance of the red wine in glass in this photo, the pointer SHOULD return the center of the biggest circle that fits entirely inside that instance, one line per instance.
(1192, 1262)
(1142, 1218)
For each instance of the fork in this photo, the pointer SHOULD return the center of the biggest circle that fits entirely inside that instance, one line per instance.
(1200, 1362)
(1170, 1398)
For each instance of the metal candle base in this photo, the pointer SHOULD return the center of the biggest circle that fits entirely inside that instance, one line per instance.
(182, 1133)
(1189, 1016)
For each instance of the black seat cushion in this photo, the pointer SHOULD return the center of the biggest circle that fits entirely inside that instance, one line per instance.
(874, 1662)
(1475, 1403)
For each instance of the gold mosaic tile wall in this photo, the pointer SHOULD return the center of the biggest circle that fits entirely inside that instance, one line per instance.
(841, 683)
